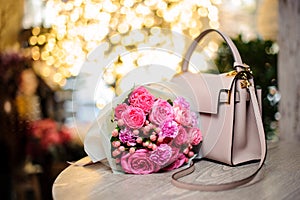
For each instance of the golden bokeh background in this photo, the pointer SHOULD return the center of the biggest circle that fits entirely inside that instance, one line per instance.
(79, 26)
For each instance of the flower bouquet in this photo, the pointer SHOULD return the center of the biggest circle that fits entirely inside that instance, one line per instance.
(153, 134)
(147, 133)
(150, 128)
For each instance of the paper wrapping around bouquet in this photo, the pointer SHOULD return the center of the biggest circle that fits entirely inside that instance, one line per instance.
(97, 142)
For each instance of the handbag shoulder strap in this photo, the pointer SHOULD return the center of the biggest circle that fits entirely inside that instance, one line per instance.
(236, 56)
(225, 186)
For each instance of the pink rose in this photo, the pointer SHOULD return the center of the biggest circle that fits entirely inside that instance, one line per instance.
(141, 98)
(183, 116)
(177, 163)
(196, 136)
(138, 163)
(160, 112)
(169, 129)
(161, 155)
(181, 138)
(119, 110)
(133, 117)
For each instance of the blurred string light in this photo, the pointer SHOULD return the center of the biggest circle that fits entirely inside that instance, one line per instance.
(78, 27)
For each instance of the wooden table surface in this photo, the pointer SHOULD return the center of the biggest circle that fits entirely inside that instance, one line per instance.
(96, 182)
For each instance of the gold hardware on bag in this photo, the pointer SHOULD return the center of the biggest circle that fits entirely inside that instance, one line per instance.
(245, 83)
(232, 73)
(228, 96)
(244, 77)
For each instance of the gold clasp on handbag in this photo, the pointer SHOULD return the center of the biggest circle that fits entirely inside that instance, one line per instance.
(243, 75)
(245, 84)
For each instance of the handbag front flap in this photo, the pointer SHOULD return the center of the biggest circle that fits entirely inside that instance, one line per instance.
(207, 90)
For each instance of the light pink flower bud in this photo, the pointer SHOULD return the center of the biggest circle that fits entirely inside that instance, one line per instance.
(116, 144)
(153, 138)
(146, 129)
(191, 154)
(122, 148)
(139, 140)
(145, 144)
(135, 132)
(120, 122)
(154, 147)
(160, 139)
(116, 152)
(115, 133)
(131, 150)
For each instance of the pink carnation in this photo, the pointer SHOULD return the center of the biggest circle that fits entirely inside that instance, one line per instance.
(133, 117)
(169, 129)
(161, 111)
(141, 98)
(127, 136)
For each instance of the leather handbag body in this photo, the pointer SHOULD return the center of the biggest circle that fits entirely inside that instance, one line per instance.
(230, 113)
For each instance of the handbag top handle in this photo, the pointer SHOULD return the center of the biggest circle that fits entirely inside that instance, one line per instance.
(238, 63)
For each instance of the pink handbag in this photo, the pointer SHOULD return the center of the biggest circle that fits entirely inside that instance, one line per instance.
(230, 112)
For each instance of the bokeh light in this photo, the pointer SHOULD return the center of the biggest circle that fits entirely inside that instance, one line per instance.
(79, 26)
